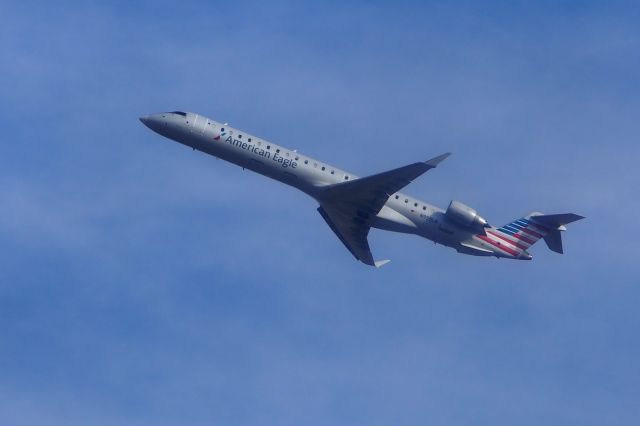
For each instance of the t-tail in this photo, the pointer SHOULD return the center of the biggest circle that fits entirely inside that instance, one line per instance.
(525, 232)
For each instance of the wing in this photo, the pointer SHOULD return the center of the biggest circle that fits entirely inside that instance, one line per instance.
(349, 208)
(352, 234)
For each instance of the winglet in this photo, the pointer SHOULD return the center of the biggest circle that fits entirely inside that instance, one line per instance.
(381, 263)
(437, 160)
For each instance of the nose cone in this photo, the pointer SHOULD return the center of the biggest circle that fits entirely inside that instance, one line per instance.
(146, 120)
(154, 122)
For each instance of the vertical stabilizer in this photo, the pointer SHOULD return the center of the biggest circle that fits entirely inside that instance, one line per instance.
(554, 241)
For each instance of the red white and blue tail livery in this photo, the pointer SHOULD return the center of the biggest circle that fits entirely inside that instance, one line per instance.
(515, 238)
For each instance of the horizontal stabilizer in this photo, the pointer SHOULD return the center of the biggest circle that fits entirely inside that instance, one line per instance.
(556, 220)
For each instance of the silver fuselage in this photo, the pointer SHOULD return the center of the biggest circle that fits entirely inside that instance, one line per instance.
(401, 212)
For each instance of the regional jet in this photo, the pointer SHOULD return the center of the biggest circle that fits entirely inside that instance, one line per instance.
(352, 205)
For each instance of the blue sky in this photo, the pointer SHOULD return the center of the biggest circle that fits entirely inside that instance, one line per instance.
(142, 283)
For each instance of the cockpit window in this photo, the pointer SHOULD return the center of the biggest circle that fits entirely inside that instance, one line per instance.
(184, 114)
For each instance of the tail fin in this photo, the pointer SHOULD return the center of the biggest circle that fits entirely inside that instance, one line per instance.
(555, 222)
(526, 231)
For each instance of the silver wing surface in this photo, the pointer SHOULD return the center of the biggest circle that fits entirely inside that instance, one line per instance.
(349, 208)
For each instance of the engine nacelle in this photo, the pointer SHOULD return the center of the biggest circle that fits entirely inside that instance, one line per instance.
(465, 216)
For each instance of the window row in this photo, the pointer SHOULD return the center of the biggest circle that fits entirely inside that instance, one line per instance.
(297, 158)
(406, 200)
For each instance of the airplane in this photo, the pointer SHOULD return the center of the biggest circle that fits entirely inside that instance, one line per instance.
(352, 205)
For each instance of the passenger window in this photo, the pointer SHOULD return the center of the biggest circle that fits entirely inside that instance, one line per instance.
(323, 168)
(249, 139)
(278, 151)
(239, 136)
(406, 200)
(415, 204)
(333, 171)
(424, 207)
(346, 178)
(306, 161)
(222, 129)
(296, 158)
(397, 196)
(268, 147)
